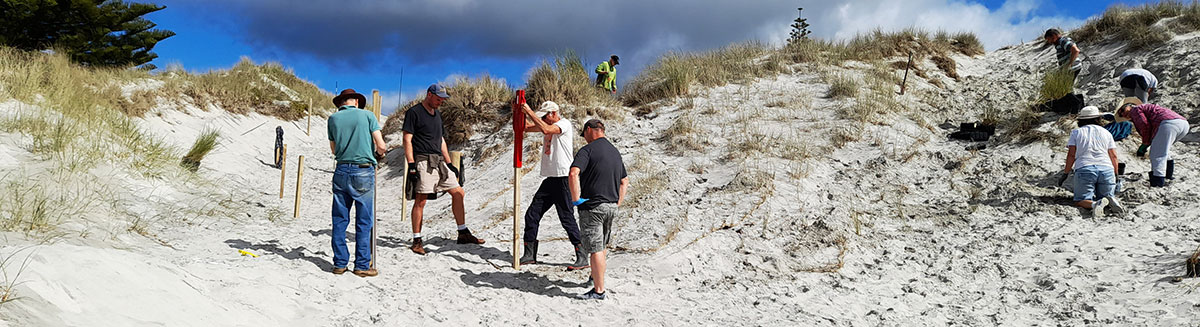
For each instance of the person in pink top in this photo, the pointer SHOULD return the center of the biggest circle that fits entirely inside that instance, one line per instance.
(1159, 127)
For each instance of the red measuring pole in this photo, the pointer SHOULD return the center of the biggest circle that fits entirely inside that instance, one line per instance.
(518, 128)
(518, 142)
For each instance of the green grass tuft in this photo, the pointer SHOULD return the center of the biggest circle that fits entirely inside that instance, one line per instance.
(204, 144)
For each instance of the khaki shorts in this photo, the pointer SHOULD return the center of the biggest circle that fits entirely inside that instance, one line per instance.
(595, 227)
(436, 177)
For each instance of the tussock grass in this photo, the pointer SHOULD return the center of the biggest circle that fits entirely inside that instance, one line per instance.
(9, 283)
(204, 143)
(646, 180)
(1136, 25)
(1056, 83)
(564, 79)
(842, 86)
(878, 102)
(880, 45)
(482, 102)
(267, 88)
(750, 181)
(947, 65)
(675, 73)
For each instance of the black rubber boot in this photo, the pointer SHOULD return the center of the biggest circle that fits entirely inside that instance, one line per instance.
(581, 260)
(1171, 169)
(530, 256)
(1157, 181)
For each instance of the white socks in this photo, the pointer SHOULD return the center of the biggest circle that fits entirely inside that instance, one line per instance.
(462, 227)
(416, 235)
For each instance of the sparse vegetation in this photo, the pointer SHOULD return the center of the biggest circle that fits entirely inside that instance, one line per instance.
(842, 86)
(205, 143)
(683, 135)
(9, 283)
(879, 45)
(1137, 25)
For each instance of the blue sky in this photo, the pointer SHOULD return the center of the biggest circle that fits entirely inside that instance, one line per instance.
(364, 44)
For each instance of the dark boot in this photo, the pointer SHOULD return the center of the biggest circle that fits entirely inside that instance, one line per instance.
(581, 260)
(530, 256)
(465, 237)
(1171, 169)
(1158, 181)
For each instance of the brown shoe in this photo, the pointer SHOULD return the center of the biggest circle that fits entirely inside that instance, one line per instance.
(339, 271)
(418, 246)
(465, 237)
(366, 273)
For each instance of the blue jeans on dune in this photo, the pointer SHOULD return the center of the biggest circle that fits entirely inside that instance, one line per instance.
(353, 186)
(1094, 182)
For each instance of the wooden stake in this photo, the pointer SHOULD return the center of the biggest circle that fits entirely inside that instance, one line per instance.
(282, 169)
(299, 181)
(308, 131)
(905, 82)
(456, 160)
(516, 218)
(378, 103)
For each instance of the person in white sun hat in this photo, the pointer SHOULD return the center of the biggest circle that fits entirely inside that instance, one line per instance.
(1092, 155)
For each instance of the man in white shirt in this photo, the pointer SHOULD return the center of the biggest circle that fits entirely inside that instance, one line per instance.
(1092, 156)
(557, 154)
(1138, 83)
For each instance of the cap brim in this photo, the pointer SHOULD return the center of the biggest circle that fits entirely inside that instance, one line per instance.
(443, 95)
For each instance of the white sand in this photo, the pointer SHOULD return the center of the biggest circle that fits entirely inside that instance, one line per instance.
(944, 235)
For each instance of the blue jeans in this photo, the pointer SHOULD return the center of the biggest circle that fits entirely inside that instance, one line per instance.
(355, 186)
(1094, 182)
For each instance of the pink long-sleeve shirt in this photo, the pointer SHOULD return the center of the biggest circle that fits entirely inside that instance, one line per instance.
(1146, 118)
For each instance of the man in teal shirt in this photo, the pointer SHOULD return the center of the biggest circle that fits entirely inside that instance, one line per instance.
(353, 134)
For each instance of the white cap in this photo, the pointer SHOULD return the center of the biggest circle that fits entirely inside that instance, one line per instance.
(546, 108)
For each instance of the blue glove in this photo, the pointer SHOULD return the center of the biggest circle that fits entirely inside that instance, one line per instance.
(578, 202)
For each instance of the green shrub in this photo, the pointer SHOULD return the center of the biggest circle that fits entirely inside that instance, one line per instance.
(1056, 83)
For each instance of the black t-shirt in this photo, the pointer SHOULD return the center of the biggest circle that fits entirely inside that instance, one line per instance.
(600, 172)
(425, 128)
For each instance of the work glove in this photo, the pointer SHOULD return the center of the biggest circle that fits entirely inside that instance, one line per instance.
(1062, 177)
(576, 203)
(457, 174)
(1141, 152)
(412, 172)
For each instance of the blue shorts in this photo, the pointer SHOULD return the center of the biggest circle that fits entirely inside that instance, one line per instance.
(1094, 182)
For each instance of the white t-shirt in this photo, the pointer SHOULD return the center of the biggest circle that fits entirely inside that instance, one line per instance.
(1092, 143)
(558, 162)
(1151, 81)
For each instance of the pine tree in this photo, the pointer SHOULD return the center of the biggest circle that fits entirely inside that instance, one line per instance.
(109, 33)
(799, 28)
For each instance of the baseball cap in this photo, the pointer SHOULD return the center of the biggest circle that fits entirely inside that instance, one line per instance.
(594, 123)
(439, 90)
(547, 107)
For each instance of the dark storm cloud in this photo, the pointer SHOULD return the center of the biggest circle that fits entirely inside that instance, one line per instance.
(435, 32)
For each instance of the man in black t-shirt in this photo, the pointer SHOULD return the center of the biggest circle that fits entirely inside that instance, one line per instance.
(428, 164)
(598, 182)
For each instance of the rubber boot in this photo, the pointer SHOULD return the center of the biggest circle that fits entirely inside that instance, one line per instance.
(1171, 169)
(1158, 181)
(581, 259)
(530, 256)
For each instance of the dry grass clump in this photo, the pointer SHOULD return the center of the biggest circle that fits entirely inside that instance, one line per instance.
(269, 89)
(879, 45)
(566, 80)
(648, 180)
(750, 180)
(845, 134)
(947, 65)
(842, 86)
(1136, 25)
(674, 73)
(879, 100)
(480, 102)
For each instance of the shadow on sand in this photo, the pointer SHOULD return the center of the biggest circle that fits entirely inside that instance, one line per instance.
(273, 247)
(521, 281)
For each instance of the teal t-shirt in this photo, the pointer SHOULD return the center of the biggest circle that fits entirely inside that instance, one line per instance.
(350, 130)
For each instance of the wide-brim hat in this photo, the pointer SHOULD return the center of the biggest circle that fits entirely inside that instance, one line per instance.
(1089, 112)
(350, 93)
(1134, 100)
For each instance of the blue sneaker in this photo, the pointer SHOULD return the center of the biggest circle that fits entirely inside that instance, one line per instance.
(591, 295)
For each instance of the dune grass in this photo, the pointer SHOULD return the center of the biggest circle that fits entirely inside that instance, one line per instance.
(204, 143)
(674, 73)
(842, 86)
(880, 45)
(1056, 83)
(1137, 25)
(482, 102)
(564, 79)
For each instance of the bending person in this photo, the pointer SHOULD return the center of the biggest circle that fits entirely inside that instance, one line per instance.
(1092, 155)
(1159, 128)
